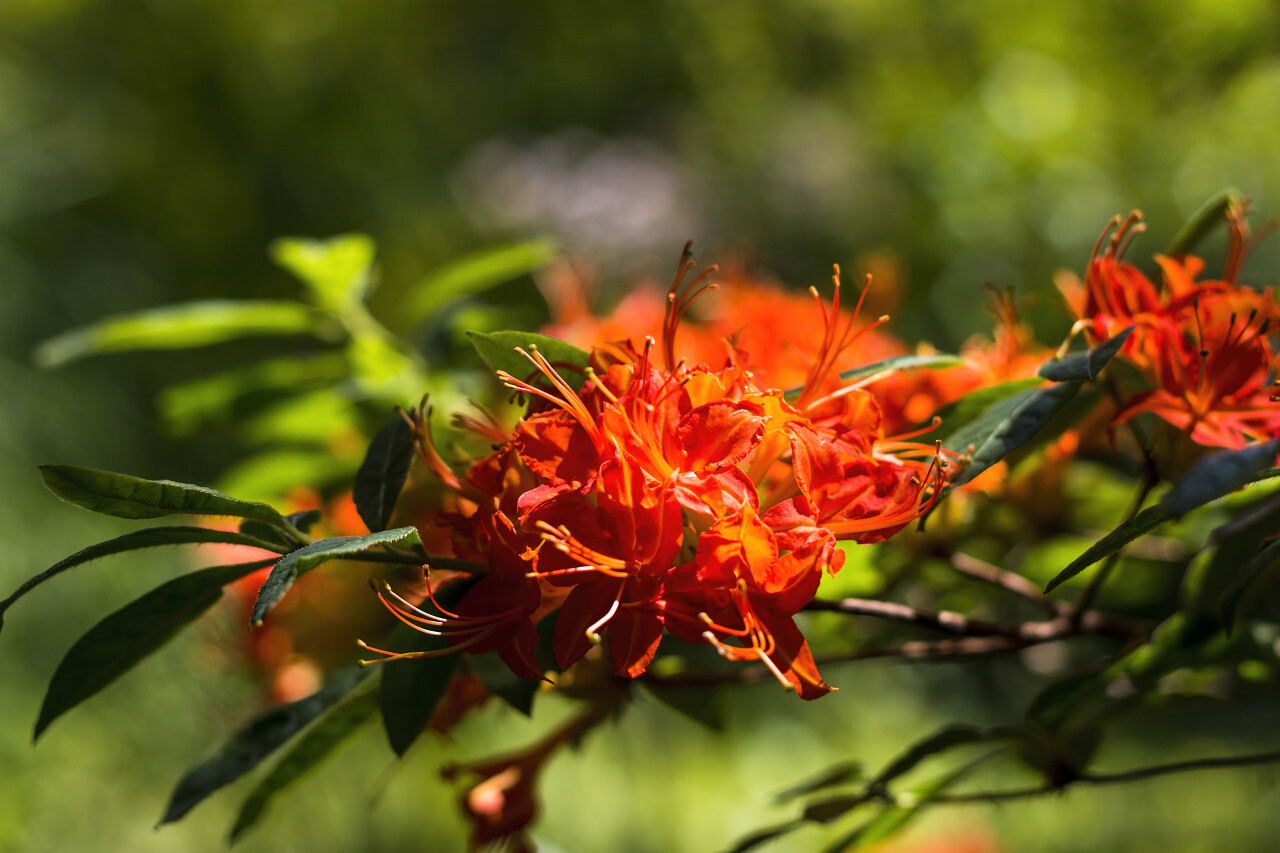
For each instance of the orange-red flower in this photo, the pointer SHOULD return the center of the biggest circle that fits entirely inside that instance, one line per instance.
(662, 495)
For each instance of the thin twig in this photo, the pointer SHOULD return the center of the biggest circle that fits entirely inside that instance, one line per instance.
(990, 573)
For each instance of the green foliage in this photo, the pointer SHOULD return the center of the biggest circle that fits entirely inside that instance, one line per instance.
(113, 646)
(383, 473)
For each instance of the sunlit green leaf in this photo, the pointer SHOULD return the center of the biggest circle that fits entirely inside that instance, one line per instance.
(498, 349)
(383, 473)
(194, 324)
(137, 540)
(1209, 216)
(124, 496)
(248, 747)
(307, 753)
(477, 272)
(124, 638)
(337, 270)
(291, 566)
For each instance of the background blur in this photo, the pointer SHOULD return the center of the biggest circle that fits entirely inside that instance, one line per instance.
(149, 153)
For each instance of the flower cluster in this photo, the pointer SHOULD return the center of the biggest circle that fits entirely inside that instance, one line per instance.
(657, 496)
(1203, 346)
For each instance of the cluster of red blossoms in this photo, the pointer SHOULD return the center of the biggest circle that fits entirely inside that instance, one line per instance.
(644, 495)
(1204, 348)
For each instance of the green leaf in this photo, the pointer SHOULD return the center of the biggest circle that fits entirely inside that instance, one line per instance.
(1084, 366)
(137, 540)
(869, 372)
(476, 272)
(971, 406)
(233, 393)
(303, 560)
(1144, 522)
(124, 496)
(316, 744)
(940, 741)
(1218, 474)
(498, 678)
(892, 819)
(194, 324)
(764, 836)
(337, 270)
(248, 747)
(843, 773)
(703, 705)
(124, 638)
(498, 349)
(1204, 220)
(1007, 425)
(383, 473)
(411, 689)
(1263, 562)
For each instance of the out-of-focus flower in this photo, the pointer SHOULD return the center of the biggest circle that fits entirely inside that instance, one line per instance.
(1205, 347)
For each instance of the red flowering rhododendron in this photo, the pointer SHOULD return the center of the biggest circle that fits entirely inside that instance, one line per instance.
(650, 494)
(1205, 347)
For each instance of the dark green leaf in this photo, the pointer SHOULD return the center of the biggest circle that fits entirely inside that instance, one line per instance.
(1012, 422)
(478, 272)
(498, 349)
(1144, 522)
(307, 752)
(336, 270)
(971, 406)
(1264, 561)
(764, 836)
(383, 473)
(248, 747)
(893, 818)
(703, 705)
(1086, 365)
(411, 689)
(132, 497)
(1054, 705)
(843, 773)
(138, 539)
(124, 638)
(939, 741)
(179, 327)
(502, 682)
(303, 560)
(1218, 474)
(1209, 216)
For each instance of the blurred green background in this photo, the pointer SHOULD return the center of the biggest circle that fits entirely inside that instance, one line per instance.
(150, 152)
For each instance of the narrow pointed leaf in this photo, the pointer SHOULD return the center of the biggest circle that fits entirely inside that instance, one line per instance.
(764, 836)
(292, 565)
(498, 349)
(118, 642)
(939, 741)
(843, 773)
(336, 270)
(1209, 216)
(1012, 422)
(124, 496)
(1084, 366)
(971, 406)
(411, 689)
(1264, 561)
(179, 327)
(1144, 522)
(137, 540)
(248, 747)
(314, 746)
(1218, 474)
(383, 473)
(703, 705)
(477, 272)
(498, 678)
